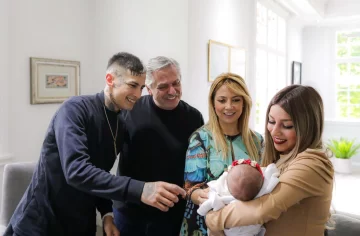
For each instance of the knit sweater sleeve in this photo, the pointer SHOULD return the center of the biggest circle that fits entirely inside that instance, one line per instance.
(70, 132)
(300, 180)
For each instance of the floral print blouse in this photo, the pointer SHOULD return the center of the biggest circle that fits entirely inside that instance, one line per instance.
(203, 164)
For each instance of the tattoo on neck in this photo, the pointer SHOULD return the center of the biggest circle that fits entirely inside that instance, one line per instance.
(108, 102)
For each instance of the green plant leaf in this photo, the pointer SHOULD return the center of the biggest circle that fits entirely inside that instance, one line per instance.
(343, 148)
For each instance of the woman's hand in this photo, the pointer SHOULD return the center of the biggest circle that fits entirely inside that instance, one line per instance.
(199, 196)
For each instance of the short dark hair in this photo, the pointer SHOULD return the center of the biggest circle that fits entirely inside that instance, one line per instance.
(129, 62)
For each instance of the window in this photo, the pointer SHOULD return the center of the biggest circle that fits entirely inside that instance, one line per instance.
(348, 75)
(270, 60)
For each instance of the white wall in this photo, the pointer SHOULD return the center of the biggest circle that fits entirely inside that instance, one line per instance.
(318, 64)
(92, 31)
(294, 45)
(319, 71)
(232, 22)
(89, 32)
(4, 79)
(50, 29)
(227, 21)
(144, 28)
(337, 8)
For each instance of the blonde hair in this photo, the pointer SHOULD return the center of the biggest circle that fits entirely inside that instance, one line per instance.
(305, 108)
(237, 85)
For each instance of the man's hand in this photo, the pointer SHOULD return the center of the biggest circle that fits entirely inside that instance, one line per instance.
(199, 196)
(161, 195)
(109, 227)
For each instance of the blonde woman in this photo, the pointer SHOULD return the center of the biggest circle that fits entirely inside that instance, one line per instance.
(214, 146)
(299, 205)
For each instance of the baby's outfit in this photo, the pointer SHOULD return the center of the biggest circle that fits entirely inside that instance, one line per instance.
(219, 196)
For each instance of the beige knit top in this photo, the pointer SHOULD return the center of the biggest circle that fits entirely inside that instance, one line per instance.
(298, 206)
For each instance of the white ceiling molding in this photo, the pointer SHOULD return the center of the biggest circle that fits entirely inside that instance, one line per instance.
(319, 6)
(304, 8)
(323, 12)
(279, 9)
(342, 8)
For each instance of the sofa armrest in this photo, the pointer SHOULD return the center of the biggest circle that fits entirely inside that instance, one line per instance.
(2, 229)
(347, 214)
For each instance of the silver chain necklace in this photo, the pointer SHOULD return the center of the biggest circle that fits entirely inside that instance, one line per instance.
(112, 134)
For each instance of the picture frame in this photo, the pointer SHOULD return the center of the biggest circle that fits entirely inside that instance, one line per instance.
(224, 58)
(53, 80)
(296, 72)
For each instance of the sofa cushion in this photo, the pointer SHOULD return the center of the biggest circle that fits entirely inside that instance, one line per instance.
(345, 226)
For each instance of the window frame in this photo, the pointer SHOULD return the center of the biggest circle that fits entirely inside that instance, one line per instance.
(280, 53)
(347, 79)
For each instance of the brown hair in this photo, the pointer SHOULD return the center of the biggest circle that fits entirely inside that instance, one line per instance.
(305, 107)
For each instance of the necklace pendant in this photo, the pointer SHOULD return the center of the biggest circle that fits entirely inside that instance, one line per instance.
(112, 134)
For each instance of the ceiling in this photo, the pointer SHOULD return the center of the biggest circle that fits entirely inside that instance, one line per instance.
(323, 12)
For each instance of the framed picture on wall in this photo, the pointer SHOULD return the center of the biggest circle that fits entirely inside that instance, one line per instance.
(296, 73)
(52, 80)
(224, 58)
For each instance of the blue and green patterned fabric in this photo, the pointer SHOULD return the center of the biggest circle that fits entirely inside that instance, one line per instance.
(203, 164)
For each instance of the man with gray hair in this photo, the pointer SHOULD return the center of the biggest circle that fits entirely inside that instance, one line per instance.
(158, 129)
(72, 176)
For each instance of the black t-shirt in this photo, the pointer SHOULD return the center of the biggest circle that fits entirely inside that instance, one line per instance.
(155, 149)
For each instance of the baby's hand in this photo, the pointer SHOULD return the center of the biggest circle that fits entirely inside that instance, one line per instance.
(199, 196)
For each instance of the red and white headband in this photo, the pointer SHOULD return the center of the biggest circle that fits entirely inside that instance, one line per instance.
(247, 162)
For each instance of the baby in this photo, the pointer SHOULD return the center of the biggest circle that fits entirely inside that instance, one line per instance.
(244, 181)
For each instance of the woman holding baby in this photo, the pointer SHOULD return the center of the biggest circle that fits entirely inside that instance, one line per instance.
(299, 205)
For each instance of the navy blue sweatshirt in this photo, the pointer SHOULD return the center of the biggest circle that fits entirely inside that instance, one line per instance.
(72, 175)
(155, 150)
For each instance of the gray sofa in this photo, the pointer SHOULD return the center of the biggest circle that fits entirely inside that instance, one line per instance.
(345, 225)
(16, 179)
